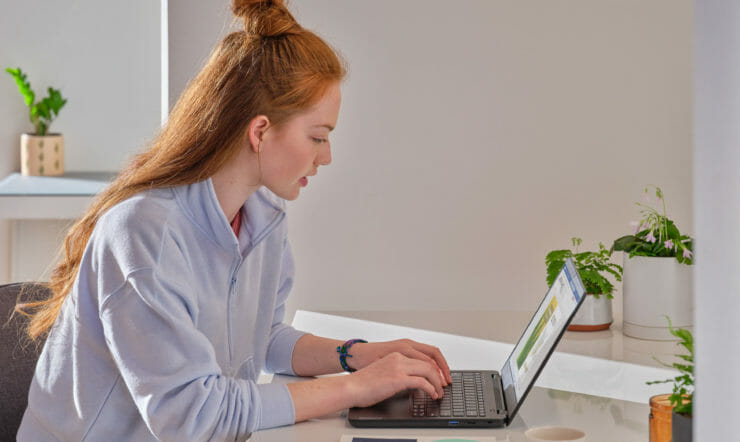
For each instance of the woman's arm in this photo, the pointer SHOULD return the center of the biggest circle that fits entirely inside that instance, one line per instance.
(313, 356)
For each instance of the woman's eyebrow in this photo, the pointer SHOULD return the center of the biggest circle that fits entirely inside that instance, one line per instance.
(328, 126)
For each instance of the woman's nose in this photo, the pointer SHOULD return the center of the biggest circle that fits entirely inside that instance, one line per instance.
(324, 158)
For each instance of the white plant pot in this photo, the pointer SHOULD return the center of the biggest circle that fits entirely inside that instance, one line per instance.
(593, 315)
(654, 288)
(42, 155)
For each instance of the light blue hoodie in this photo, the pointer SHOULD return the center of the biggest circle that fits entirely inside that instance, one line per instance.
(168, 325)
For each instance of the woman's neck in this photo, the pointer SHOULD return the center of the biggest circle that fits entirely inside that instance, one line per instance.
(236, 181)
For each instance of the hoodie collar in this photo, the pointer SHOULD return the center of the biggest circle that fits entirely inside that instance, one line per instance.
(262, 212)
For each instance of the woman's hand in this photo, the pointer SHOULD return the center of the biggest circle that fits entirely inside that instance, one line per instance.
(383, 369)
(364, 354)
(390, 374)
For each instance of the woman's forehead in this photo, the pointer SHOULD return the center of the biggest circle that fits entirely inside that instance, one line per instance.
(325, 112)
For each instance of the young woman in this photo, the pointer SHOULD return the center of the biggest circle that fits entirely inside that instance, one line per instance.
(170, 296)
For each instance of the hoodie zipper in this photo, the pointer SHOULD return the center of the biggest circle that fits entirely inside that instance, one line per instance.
(232, 287)
(234, 279)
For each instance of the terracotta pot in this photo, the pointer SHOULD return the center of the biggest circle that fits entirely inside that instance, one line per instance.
(593, 315)
(654, 288)
(42, 155)
(661, 411)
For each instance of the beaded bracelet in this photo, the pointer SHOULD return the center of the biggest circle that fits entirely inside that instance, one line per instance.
(343, 349)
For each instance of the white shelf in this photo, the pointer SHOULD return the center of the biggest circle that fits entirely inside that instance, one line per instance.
(40, 197)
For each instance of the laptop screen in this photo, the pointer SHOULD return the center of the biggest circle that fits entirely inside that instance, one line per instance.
(542, 335)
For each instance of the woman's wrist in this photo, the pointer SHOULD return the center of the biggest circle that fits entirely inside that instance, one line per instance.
(348, 390)
(347, 353)
(318, 397)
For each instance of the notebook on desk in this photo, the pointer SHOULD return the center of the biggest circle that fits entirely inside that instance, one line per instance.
(487, 398)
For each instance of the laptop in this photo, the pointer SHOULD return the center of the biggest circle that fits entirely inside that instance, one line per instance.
(487, 398)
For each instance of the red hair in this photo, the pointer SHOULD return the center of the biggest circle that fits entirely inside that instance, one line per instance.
(274, 67)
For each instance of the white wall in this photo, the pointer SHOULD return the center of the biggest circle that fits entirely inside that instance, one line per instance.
(105, 59)
(717, 213)
(473, 139)
(103, 56)
(194, 28)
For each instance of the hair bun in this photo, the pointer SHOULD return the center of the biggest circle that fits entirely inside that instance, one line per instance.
(265, 18)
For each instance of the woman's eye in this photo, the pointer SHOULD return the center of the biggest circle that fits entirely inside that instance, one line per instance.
(319, 140)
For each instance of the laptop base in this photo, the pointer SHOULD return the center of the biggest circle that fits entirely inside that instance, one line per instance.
(397, 411)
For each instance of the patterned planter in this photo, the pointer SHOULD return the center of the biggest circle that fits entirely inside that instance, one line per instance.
(42, 155)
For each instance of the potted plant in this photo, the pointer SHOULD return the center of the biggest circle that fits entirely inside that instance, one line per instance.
(596, 311)
(682, 398)
(42, 153)
(657, 273)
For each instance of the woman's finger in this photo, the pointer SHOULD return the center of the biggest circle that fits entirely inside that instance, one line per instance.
(418, 368)
(423, 384)
(416, 354)
(435, 354)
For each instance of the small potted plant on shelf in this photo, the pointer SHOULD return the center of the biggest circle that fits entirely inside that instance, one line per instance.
(42, 153)
(682, 398)
(596, 311)
(657, 273)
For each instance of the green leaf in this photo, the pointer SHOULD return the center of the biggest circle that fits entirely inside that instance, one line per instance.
(625, 243)
(554, 262)
(683, 368)
(684, 408)
(683, 334)
(24, 87)
(659, 382)
(55, 101)
(43, 109)
(615, 270)
(673, 232)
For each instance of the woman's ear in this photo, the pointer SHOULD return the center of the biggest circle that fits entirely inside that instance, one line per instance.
(256, 130)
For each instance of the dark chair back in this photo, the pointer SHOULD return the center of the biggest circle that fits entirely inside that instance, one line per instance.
(18, 356)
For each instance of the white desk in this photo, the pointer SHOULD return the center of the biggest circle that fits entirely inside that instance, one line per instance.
(607, 399)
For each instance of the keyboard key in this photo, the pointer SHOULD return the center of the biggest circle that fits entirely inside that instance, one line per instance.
(464, 397)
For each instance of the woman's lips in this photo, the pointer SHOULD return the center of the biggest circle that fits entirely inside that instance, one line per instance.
(303, 181)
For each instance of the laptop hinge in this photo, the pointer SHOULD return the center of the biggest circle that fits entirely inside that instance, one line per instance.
(499, 395)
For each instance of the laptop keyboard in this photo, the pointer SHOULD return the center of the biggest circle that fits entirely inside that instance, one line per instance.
(462, 398)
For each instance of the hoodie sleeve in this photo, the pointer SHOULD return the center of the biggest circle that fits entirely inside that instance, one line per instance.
(171, 371)
(283, 337)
